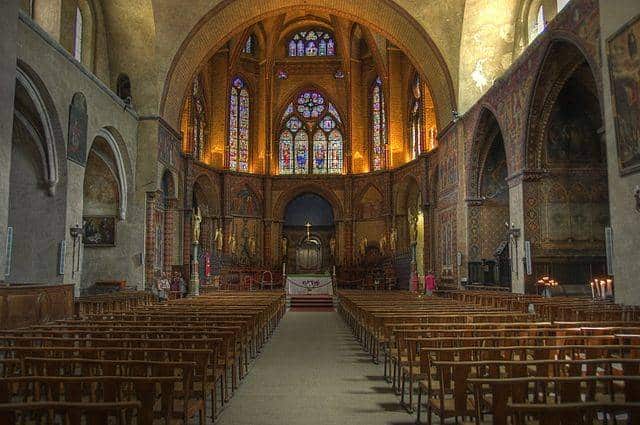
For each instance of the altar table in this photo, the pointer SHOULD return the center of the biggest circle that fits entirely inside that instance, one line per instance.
(309, 285)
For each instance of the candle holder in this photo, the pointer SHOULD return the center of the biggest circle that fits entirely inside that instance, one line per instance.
(602, 288)
(545, 284)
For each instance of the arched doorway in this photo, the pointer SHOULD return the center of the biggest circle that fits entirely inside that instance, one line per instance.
(490, 250)
(309, 230)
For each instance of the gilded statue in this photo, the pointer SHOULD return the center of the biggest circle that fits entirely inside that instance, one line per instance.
(232, 244)
(195, 229)
(284, 245)
(393, 239)
(219, 239)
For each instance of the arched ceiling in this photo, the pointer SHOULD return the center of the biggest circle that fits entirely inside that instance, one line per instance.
(160, 43)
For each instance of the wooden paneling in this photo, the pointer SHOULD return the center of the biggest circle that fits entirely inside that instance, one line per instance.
(24, 305)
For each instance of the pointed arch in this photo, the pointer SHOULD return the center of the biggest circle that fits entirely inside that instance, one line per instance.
(310, 134)
(238, 139)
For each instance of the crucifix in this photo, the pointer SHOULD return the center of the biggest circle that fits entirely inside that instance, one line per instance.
(308, 226)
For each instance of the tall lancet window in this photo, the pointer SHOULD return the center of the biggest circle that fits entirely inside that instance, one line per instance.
(77, 43)
(378, 126)
(238, 145)
(198, 120)
(416, 118)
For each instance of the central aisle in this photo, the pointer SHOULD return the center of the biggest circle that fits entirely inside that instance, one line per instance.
(313, 371)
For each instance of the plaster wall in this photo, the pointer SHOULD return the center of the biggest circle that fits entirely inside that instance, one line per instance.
(105, 110)
(8, 51)
(625, 219)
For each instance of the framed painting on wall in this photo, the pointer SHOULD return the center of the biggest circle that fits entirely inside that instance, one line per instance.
(99, 231)
(623, 51)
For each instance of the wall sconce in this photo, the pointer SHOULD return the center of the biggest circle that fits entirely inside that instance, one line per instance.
(76, 231)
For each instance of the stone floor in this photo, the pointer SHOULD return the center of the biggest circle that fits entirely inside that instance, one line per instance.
(313, 372)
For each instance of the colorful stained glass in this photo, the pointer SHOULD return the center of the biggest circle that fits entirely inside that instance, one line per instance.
(301, 144)
(311, 43)
(294, 124)
(327, 123)
(310, 141)
(319, 152)
(378, 126)
(198, 122)
(249, 45)
(333, 111)
(335, 152)
(287, 112)
(416, 119)
(286, 152)
(239, 126)
(311, 104)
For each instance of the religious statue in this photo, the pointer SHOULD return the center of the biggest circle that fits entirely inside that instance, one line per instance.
(284, 244)
(252, 245)
(413, 225)
(383, 244)
(195, 229)
(393, 239)
(232, 244)
(332, 246)
(364, 242)
(219, 239)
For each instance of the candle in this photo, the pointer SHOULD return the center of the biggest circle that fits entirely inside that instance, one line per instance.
(602, 290)
(610, 287)
(284, 269)
(334, 270)
(593, 294)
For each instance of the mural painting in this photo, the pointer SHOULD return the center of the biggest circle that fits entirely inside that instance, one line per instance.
(245, 203)
(77, 145)
(624, 67)
(99, 231)
(572, 135)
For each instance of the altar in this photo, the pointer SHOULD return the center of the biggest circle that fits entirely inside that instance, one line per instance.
(319, 284)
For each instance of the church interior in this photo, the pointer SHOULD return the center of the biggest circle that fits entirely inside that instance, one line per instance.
(328, 212)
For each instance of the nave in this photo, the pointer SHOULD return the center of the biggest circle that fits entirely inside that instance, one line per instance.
(314, 372)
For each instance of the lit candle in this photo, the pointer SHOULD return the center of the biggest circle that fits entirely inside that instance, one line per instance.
(610, 287)
(603, 294)
(593, 295)
(284, 269)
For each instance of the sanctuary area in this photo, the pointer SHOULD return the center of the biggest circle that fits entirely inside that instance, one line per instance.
(331, 212)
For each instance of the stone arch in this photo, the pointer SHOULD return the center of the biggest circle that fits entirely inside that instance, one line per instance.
(564, 55)
(205, 189)
(228, 18)
(37, 183)
(327, 194)
(51, 142)
(121, 164)
(487, 128)
(370, 199)
(168, 183)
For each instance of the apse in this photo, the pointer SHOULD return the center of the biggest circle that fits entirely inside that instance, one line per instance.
(308, 228)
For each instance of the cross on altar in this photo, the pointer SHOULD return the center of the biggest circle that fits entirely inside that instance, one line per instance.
(308, 226)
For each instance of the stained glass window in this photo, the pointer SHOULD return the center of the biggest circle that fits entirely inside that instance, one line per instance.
(311, 140)
(286, 152)
(77, 42)
(416, 118)
(198, 122)
(239, 130)
(316, 42)
(250, 45)
(301, 144)
(378, 126)
(319, 152)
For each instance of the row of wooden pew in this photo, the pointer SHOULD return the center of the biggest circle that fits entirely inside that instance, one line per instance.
(112, 302)
(176, 362)
(464, 358)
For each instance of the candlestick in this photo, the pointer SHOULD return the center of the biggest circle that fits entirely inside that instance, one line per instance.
(593, 294)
